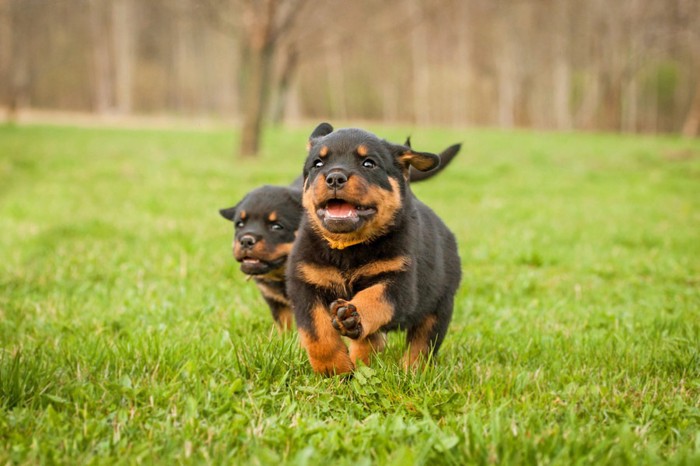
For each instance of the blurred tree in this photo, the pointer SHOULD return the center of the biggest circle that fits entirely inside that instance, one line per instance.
(290, 61)
(419, 62)
(5, 53)
(561, 68)
(260, 25)
(101, 57)
(628, 65)
(689, 15)
(18, 34)
(124, 54)
(507, 60)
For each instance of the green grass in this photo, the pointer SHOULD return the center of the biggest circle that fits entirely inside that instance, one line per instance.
(128, 335)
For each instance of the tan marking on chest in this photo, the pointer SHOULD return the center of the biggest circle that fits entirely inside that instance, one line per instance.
(323, 277)
(396, 264)
(341, 281)
(271, 293)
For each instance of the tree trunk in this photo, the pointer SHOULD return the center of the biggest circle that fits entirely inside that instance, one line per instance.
(256, 65)
(507, 85)
(255, 88)
(336, 82)
(18, 72)
(612, 104)
(562, 69)
(630, 108)
(102, 86)
(182, 62)
(421, 68)
(691, 126)
(289, 66)
(123, 34)
(5, 56)
(463, 101)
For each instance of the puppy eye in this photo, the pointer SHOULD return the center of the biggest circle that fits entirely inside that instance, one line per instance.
(276, 226)
(318, 163)
(240, 224)
(369, 163)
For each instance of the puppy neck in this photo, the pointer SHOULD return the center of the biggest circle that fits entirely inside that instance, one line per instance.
(335, 244)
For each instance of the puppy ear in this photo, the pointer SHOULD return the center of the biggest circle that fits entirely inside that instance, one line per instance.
(228, 213)
(321, 130)
(408, 141)
(422, 161)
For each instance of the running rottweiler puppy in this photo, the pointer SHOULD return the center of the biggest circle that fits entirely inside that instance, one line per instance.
(369, 256)
(266, 221)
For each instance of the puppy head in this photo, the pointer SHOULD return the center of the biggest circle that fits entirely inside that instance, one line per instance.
(265, 223)
(355, 183)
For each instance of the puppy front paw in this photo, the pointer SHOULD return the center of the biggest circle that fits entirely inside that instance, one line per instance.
(346, 319)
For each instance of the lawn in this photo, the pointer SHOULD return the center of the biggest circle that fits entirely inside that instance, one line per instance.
(128, 335)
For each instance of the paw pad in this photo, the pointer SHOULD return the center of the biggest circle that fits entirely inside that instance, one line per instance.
(346, 319)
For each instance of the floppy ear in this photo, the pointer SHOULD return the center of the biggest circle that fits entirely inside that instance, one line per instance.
(228, 213)
(446, 157)
(321, 130)
(422, 161)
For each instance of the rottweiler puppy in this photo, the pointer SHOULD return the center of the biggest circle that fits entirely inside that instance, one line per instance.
(266, 221)
(369, 257)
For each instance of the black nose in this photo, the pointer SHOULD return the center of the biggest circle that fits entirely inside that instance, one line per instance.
(336, 179)
(247, 241)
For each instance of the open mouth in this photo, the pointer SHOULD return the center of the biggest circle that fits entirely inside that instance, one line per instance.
(340, 216)
(255, 266)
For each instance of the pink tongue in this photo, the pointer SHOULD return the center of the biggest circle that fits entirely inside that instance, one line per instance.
(340, 209)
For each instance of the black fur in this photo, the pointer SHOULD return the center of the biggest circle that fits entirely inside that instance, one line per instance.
(417, 298)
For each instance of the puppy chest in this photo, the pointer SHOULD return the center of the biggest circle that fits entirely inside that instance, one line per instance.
(345, 283)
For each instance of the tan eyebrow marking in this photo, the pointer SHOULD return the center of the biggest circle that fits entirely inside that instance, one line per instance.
(362, 150)
(243, 214)
(324, 151)
(272, 217)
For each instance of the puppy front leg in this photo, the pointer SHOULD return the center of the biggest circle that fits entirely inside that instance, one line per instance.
(327, 353)
(367, 312)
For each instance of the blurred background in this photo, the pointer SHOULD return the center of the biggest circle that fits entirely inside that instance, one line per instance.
(621, 66)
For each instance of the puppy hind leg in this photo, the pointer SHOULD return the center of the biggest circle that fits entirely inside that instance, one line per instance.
(363, 349)
(426, 338)
(418, 341)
